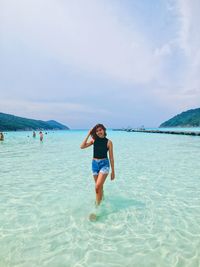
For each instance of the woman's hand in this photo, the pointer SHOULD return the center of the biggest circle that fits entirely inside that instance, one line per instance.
(112, 176)
(85, 141)
(90, 131)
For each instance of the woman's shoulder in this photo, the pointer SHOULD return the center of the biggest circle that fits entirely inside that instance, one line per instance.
(109, 141)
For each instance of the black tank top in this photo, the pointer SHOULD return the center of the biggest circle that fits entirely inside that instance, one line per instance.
(100, 148)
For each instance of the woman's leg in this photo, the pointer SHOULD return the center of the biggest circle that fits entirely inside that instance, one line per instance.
(99, 186)
(95, 178)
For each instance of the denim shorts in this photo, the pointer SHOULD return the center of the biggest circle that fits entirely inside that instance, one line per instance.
(100, 165)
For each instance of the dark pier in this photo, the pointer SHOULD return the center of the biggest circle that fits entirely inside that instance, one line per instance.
(164, 132)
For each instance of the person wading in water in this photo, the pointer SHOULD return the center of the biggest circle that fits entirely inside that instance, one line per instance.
(100, 162)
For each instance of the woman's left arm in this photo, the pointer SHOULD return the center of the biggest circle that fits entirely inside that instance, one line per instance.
(111, 157)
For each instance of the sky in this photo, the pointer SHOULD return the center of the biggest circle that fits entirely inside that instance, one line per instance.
(117, 62)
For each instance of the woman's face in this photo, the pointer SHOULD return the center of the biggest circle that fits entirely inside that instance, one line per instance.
(100, 132)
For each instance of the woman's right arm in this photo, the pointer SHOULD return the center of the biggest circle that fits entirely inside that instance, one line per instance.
(85, 141)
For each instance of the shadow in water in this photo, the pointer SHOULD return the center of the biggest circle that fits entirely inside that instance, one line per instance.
(115, 204)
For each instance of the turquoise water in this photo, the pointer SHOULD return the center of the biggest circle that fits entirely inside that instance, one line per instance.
(150, 215)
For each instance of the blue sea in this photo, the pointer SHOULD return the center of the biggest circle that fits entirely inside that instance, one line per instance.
(150, 215)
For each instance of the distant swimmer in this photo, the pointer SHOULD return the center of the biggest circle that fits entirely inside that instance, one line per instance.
(34, 134)
(100, 163)
(41, 136)
(1, 137)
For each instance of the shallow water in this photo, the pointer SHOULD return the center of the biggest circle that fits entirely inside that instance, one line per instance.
(150, 215)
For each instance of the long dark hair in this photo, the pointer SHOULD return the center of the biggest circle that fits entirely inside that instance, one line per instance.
(94, 129)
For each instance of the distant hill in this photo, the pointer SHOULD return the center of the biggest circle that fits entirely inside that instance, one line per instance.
(189, 118)
(14, 123)
(56, 125)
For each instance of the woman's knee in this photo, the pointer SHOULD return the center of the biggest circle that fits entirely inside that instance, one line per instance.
(98, 187)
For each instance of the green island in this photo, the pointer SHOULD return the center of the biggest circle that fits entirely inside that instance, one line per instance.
(189, 118)
(14, 123)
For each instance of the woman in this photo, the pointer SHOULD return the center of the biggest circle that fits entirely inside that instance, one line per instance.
(41, 136)
(1, 137)
(100, 162)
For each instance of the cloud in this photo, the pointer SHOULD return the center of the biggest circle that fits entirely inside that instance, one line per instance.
(189, 40)
(83, 61)
(179, 85)
(188, 12)
(163, 51)
(89, 35)
(67, 112)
